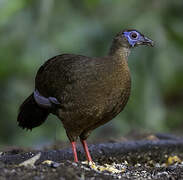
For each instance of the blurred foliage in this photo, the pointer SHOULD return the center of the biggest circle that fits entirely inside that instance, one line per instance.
(31, 31)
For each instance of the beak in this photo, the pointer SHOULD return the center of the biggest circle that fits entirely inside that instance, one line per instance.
(146, 41)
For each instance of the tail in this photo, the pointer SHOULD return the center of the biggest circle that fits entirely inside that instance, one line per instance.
(30, 114)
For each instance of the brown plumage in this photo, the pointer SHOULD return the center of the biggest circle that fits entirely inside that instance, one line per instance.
(83, 92)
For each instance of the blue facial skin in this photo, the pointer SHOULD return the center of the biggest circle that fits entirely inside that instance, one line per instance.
(133, 40)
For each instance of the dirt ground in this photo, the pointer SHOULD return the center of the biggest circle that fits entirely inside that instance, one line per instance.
(152, 157)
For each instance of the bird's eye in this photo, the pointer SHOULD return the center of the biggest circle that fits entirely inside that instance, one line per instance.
(133, 35)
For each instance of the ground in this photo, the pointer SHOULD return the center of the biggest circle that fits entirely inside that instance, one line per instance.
(153, 157)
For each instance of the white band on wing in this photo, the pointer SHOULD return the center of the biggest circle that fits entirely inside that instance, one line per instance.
(43, 101)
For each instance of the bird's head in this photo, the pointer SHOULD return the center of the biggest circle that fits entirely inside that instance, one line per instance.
(132, 38)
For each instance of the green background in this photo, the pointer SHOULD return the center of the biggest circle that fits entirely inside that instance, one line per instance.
(32, 31)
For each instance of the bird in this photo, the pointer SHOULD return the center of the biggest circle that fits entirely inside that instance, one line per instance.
(83, 92)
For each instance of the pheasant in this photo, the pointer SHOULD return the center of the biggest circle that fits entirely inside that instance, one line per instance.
(83, 92)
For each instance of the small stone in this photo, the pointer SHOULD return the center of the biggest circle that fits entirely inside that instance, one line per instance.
(30, 162)
(55, 164)
(172, 160)
(51, 163)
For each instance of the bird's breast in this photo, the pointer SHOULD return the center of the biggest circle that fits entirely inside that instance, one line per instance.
(104, 94)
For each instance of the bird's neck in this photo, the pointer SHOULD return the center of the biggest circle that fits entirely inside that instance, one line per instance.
(119, 52)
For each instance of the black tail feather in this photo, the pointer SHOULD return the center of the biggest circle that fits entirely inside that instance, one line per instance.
(30, 114)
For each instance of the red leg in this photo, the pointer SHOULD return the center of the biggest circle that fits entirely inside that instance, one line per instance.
(85, 146)
(74, 151)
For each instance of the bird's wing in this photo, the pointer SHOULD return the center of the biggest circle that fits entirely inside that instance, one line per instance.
(55, 76)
